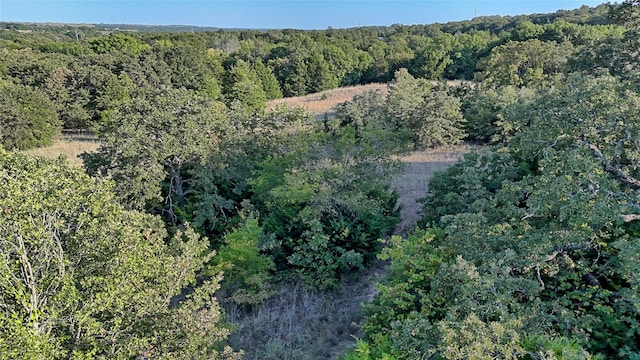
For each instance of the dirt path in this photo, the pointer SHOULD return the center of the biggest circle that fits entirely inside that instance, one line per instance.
(299, 324)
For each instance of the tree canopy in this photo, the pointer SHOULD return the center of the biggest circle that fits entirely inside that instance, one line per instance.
(81, 277)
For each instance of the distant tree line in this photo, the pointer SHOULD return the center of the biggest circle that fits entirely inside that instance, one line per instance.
(83, 71)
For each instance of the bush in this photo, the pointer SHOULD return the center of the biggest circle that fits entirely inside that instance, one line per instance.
(28, 118)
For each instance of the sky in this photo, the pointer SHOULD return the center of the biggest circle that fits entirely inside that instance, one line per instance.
(272, 14)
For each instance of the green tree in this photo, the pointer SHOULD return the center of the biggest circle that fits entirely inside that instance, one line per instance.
(244, 86)
(28, 117)
(268, 80)
(365, 113)
(193, 68)
(152, 145)
(324, 199)
(118, 43)
(526, 30)
(80, 277)
(247, 270)
(432, 54)
(406, 94)
(524, 63)
(533, 248)
(440, 121)
(468, 48)
(484, 107)
(425, 115)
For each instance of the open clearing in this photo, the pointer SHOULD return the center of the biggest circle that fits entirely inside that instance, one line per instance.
(70, 145)
(322, 103)
(413, 183)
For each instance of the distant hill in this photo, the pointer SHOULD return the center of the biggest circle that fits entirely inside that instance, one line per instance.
(112, 27)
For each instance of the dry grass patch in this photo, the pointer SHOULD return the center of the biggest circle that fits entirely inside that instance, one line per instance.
(323, 102)
(413, 183)
(69, 145)
(301, 324)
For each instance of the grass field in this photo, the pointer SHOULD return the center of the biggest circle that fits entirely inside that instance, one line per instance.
(413, 183)
(70, 145)
(322, 103)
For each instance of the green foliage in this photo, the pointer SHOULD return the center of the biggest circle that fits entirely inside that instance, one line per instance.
(268, 80)
(538, 245)
(28, 118)
(245, 86)
(468, 185)
(118, 43)
(189, 67)
(366, 115)
(246, 270)
(408, 280)
(531, 249)
(524, 63)
(153, 146)
(80, 277)
(440, 122)
(468, 49)
(425, 115)
(325, 200)
(432, 54)
(484, 107)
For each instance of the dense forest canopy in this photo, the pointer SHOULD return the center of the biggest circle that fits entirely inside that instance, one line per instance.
(199, 197)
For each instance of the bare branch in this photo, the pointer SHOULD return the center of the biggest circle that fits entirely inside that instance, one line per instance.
(630, 217)
(530, 213)
(540, 277)
(626, 178)
(569, 247)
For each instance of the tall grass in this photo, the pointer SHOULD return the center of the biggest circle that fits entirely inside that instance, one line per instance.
(413, 183)
(69, 145)
(322, 103)
(297, 323)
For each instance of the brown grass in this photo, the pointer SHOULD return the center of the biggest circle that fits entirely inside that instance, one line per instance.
(297, 324)
(69, 145)
(323, 102)
(413, 183)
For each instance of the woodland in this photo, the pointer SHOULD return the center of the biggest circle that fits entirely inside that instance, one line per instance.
(200, 203)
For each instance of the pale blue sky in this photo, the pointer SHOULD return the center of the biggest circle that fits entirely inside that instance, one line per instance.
(261, 14)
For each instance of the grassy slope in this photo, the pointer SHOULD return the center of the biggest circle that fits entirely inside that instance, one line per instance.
(322, 103)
